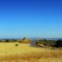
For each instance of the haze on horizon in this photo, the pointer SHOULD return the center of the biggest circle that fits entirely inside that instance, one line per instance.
(30, 18)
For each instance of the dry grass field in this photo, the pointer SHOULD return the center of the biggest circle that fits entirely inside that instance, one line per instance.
(9, 52)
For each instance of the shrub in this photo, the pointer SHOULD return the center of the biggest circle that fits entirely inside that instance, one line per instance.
(58, 43)
(16, 45)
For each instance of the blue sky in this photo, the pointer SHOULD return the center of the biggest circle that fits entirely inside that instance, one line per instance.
(30, 18)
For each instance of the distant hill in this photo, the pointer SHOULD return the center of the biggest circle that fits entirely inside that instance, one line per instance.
(46, 38)
(54, 38)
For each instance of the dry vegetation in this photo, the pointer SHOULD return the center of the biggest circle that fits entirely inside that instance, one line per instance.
(9, 52)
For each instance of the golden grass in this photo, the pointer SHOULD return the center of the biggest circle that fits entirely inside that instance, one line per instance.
(25, 53)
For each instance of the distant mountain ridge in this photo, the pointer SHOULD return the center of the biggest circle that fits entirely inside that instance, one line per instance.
(31, 38)
(46, 38)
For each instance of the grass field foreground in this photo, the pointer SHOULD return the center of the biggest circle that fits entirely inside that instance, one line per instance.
(9, 52)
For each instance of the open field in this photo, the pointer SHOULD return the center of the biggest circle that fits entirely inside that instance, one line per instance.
(25, 53)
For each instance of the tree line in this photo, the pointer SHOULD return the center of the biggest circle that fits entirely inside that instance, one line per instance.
(52, 43)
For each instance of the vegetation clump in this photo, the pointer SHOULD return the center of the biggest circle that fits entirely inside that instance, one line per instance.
(16, 44)
(50, 43)
(58, 43)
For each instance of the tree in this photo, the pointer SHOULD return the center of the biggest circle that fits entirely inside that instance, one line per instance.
(7, 40)
(58, 43)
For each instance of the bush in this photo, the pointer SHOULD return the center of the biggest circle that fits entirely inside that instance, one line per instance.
(16, 45)
(58, 43)
(6, 40)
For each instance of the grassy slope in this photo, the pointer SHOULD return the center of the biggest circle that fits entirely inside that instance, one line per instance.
(25, 53)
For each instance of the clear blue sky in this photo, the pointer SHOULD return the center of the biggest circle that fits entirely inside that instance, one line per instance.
(30, 18)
